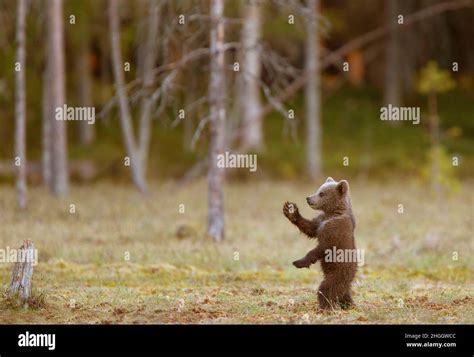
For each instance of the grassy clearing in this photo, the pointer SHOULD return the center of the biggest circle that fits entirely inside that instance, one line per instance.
(409, 274)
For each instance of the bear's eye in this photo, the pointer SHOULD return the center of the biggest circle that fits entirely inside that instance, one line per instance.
(321, 194)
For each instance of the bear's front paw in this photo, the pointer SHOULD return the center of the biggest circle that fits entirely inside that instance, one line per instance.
(290, 210)
(301, 263)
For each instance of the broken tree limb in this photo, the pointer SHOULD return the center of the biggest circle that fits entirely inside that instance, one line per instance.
(22, 274)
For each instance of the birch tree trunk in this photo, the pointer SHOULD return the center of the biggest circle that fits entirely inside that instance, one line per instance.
(188, 122)
(435, 142)
(313, 93)
(251, 103)
(46, 127)
(217, 123)
(150, 54)
(409, 37)
(86, 130)
(20, 106)
(59, 175)
(125, 117)
(392, 56)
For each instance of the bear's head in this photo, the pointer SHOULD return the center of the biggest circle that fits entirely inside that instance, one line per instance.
(332, 196)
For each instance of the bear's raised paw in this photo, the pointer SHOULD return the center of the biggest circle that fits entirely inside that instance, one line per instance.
(290, 210)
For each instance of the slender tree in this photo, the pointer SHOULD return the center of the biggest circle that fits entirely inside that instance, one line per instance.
(409, 37)
(313, 92)
(392, 55)
(125, 116)
(86, 131)
(251, 101)
(46, 123)
(217, 123)
(59, 176)
(20, 106)
(433, 81)
(150, 54)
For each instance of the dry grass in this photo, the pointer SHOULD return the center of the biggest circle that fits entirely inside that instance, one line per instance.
(409, 274)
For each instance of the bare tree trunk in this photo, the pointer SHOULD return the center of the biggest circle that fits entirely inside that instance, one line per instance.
(142, 8)
(409, 37)
(217, 123)
(104, 60)
(20, 106)
(86, 130)
(150, 54)
(46, 128)
(125, 117)
(251, 103)
(188, 121)
(435, 145)
(392, 56)
(59, 175)
(313, 93)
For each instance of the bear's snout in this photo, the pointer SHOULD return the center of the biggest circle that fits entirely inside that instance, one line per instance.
(312, 201)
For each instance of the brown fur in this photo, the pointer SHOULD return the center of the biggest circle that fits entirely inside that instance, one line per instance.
(333, 228)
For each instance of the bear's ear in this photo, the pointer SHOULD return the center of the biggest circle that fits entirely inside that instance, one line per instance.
(342, 187)
(330, 179)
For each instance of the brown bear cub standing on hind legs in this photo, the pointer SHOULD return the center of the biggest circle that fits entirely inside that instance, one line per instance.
(334, 229)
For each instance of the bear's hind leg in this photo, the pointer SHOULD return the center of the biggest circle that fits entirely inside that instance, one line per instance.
(332, 293)
(346, 301)
(325, 295)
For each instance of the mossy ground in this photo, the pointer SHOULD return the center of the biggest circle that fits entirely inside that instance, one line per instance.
(409, 275)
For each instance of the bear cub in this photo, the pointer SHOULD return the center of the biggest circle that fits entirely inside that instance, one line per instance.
(334, 229)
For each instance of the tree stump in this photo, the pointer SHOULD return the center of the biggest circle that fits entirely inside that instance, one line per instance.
(22, 274)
